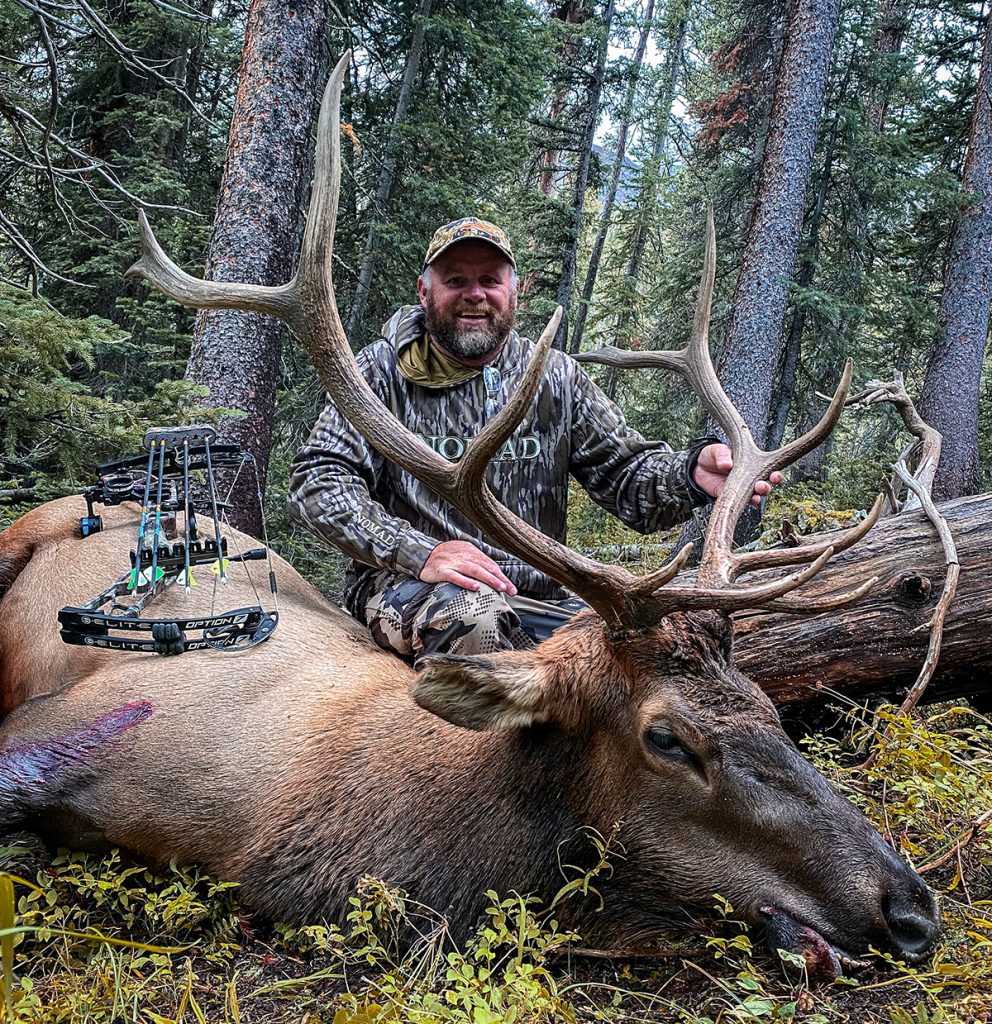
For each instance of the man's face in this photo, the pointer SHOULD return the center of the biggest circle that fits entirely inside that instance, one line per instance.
(469, 300)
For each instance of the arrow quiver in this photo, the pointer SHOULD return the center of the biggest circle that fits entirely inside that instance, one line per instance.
(163, 483)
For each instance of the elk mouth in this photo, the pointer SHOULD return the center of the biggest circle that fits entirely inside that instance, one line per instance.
(824, 961)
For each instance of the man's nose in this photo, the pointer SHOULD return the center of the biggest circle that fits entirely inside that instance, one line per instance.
(474, 292)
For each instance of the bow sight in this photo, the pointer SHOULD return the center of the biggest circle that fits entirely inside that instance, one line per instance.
(162, 482)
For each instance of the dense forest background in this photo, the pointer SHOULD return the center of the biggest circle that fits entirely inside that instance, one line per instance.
(846, 148)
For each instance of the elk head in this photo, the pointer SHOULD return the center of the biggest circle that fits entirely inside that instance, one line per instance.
(656, 738)
(640, 694)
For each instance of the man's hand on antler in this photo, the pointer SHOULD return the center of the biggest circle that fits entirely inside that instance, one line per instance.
(713, 467)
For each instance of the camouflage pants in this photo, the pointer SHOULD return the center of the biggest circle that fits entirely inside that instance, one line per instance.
(412, 618)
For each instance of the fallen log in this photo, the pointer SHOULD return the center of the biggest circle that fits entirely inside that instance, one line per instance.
(876, 647)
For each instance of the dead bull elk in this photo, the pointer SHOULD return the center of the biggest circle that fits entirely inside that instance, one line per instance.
(302, 765)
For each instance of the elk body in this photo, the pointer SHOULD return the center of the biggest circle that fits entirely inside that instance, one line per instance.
(299, 766)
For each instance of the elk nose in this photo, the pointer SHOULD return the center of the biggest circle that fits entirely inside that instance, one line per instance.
(913, 921)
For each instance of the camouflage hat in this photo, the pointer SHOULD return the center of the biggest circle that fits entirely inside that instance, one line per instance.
(468, 229)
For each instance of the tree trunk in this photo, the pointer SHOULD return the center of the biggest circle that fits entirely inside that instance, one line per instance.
(647, 197)
(877, 646)
(949, 401)
(571, 13)
(593, 96)
(663, 116)
(751, 353)
(619, 156)
(893, 21)
(380, 205)
(557, 125)
(236, 355)
(786, 386)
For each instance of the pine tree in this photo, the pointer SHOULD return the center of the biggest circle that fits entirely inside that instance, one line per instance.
(949, 401)
(380, 204)
(619, 158)
(236, 355)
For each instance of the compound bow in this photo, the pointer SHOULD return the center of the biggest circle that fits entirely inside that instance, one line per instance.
(174, 453)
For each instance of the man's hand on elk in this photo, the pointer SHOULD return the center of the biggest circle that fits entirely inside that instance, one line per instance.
(713, 467)
(461, 563)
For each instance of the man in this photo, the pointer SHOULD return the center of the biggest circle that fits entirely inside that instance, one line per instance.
(424, 578)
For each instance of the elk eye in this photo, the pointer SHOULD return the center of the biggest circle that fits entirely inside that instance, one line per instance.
(665, 744)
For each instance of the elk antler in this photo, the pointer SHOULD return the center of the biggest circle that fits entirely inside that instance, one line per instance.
(719, 566)
(307, 305)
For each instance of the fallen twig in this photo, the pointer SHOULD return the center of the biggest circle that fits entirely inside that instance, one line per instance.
(981, 822)
(636, 954)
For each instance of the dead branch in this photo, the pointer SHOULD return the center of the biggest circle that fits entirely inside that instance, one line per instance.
(13, 494)
(926, 447)
(981, 822)
(35, 144)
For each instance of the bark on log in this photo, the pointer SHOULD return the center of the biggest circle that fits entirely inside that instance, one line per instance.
(876, 647)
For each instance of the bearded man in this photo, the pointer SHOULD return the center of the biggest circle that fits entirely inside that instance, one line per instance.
(424, 579)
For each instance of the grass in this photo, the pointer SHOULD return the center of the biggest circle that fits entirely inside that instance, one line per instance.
(86, 939)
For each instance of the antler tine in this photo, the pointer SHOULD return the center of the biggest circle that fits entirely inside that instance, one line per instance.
(796, 449)
(841, 540)
(837, 541)
(677, 599)
(629, 359)
(814, 605)
(156, 268)
(647, 585)
(716, 561)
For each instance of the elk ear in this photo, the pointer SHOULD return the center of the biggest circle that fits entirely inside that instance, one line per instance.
(493, 691)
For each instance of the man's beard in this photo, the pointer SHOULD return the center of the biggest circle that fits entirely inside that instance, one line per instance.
(468, 342)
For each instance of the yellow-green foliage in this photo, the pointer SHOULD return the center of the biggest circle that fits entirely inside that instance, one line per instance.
(93, 940)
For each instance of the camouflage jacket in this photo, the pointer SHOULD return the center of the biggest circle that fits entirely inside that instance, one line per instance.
(383, 518)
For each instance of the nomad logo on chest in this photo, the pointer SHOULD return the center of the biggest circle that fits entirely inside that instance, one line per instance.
(516, 449)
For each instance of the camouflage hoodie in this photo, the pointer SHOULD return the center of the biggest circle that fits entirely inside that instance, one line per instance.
(383, 518)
